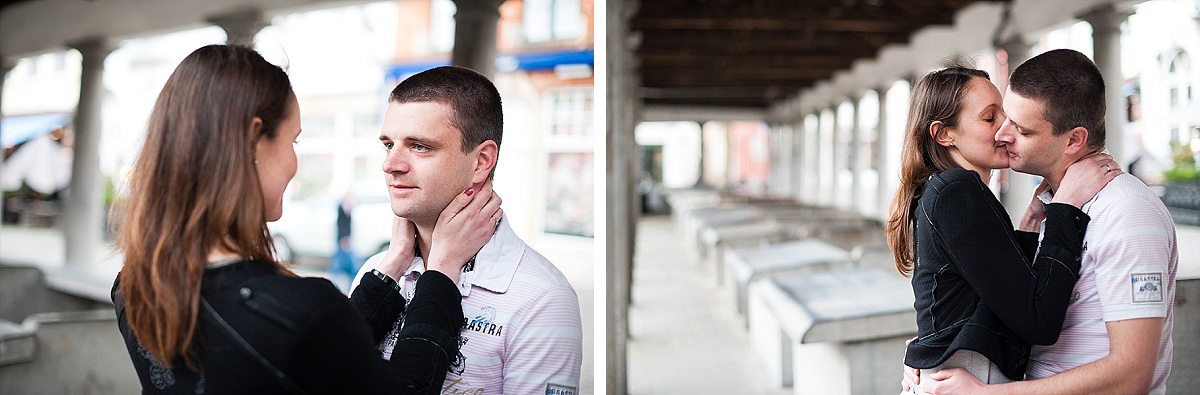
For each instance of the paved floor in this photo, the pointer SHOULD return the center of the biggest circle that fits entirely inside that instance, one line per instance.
(43, 247)
(684, 337)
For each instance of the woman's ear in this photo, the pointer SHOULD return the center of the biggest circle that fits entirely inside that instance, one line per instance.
(937, 131)
(486, 155)
(255, 132)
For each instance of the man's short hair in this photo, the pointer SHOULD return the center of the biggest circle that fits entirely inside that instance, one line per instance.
(473, 100)
(1070, 88)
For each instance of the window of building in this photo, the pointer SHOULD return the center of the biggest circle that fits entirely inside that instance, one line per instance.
(441, 25)
(318, 126)
(569, 162)
(552, 20)
(313, 176)
(571, 114)
(1178, 79)
(60, 61)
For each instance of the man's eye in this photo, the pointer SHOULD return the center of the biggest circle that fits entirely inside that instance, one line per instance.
(388, 146)
(420, 148)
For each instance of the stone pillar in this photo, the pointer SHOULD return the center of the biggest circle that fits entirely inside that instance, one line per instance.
(240, 26)
(781, 159)
(83, 225)
(884, 196)
(475, 24)
(1017, 190)
(854, 157)
(796, 167)
(621, 193)
(6, 65)
(1106, 39)
(813, 187)
(827, 175)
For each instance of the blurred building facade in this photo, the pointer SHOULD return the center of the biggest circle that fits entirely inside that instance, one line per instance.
(342, 75)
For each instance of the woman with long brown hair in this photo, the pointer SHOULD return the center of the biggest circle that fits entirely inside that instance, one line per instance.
(203, 305)
(984, 291)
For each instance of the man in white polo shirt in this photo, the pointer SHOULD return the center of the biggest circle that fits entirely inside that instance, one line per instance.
(522, 331)
(1117, 334)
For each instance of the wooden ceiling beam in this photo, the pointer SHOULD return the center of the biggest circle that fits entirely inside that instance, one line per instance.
(699, 59)
(763, 24)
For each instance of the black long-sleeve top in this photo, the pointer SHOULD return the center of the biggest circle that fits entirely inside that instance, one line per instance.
(323, 342)
(982, 286)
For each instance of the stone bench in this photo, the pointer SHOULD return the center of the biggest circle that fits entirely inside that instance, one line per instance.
(77, 352)
(717, 239)
(877, 255)
(695, 221)
(1185, 367)
(840, 228)
(746, 266)
(839, 331)
(17, 344)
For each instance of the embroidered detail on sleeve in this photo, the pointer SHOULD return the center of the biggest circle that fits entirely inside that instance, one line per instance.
(1147, 287)
(558, 389)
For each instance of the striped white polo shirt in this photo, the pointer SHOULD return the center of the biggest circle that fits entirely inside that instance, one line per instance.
(1128, 271)
(522, 331)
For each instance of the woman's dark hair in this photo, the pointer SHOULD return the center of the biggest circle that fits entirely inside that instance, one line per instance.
(937, 97)
(194, 188)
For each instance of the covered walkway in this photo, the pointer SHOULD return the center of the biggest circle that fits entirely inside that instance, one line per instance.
(684, 337)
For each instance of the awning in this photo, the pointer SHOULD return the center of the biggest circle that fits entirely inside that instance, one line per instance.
(18, 129)
(527, 62)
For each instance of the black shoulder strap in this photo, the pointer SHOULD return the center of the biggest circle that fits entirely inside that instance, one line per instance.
(250, 351)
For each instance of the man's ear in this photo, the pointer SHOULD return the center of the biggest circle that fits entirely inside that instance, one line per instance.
(1077, 141)
(937, 131)
(486, 154)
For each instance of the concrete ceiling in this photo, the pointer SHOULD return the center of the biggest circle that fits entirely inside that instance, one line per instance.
(29, 27)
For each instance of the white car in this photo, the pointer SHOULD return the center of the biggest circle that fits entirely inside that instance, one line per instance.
(308, 228)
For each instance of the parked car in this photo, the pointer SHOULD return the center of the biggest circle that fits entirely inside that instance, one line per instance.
(308, 228)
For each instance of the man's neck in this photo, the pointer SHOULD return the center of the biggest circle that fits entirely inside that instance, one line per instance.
(424, 241)
(1057, 173)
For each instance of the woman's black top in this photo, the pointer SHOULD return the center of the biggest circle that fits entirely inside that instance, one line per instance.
(320, 341)
(982, 286)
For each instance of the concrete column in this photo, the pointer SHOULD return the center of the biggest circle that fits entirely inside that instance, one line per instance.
(6, 65)
(796, 167)
(621, 213)
(83, 225)
(781, 158)
(240, 26)
(1106, 39)
(855, 156)
(813, 187)
(884, 196)
(827, 177)
(475, 24)
(1017, 187)
(834, 158)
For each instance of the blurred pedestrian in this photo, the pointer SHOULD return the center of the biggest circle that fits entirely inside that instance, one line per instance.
(344, 263)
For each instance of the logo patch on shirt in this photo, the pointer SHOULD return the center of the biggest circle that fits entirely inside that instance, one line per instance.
(484, 322)
(556, 389)
(1147, 287)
